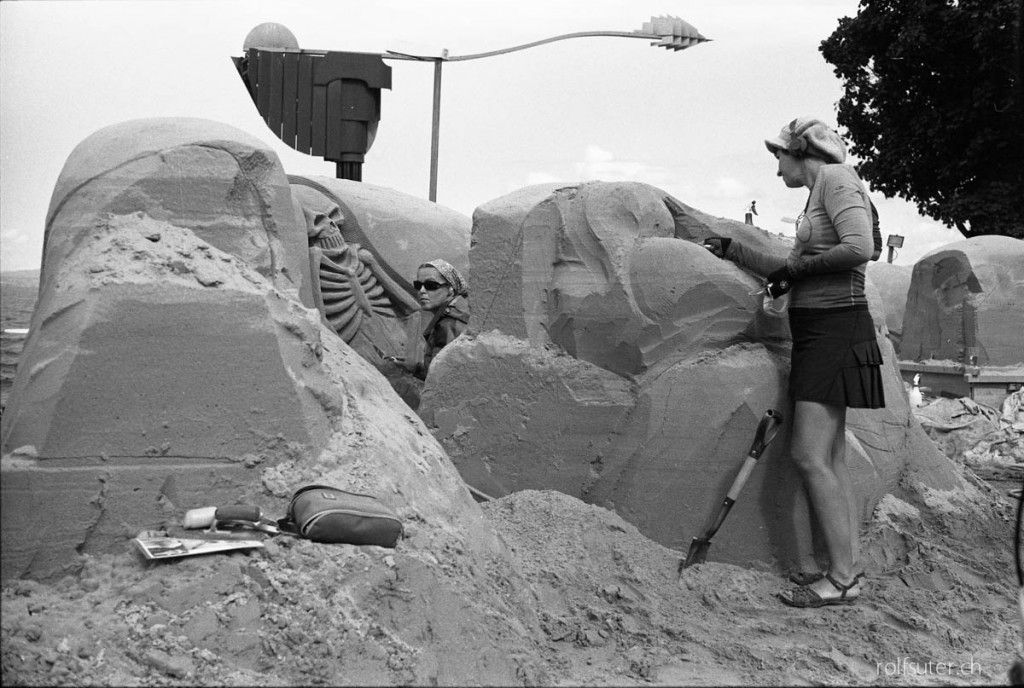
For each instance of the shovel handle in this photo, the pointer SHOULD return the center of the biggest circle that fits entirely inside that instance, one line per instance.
(199, 518)
(769, 426)
(767, 429)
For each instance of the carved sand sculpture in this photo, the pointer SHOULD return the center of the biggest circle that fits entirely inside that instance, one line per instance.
(965, 301)
(893, 283)
(176, 358)
(348, 283)
(620, 362)
(365, 243)
(184, 353)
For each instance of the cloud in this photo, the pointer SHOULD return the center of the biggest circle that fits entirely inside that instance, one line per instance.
(16, 244)
(541, 178)
(599, 163)
(724, 195)
(729, 188)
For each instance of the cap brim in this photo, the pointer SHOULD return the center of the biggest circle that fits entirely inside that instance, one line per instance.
(775, 145)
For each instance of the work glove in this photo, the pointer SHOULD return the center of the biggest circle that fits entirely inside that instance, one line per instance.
(719, 246)
(779, 282)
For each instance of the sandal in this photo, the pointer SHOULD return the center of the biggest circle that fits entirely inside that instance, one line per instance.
(806, 597)
(809, 577)
(805, 577)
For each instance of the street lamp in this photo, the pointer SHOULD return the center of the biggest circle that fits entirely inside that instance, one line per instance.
(319, 102)
(894, 242)
(671, 33)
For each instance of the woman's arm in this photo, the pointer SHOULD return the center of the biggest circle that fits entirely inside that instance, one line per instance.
(451, 328)
(758, 261)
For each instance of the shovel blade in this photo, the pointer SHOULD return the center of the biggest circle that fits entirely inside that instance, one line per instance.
(697, 554)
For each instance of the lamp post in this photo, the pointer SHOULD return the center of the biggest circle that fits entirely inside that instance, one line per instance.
(671, 33)
(895, 241)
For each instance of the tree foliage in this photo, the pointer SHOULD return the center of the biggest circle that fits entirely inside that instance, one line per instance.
(933, 106)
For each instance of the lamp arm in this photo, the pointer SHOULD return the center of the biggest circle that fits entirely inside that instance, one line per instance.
(390, 54)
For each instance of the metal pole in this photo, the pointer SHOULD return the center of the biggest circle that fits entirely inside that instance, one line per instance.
(678, 37)
(435, 133)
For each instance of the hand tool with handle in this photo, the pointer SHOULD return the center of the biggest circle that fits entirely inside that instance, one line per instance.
(766, 431)
(237, 516)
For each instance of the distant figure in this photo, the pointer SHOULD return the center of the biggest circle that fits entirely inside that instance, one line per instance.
(443, 291)
(751, 211)
(916, 398)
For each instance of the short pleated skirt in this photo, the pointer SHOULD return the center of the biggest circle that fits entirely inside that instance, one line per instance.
(836, 359)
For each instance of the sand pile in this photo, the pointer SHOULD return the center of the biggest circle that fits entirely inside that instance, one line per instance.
(587, 601)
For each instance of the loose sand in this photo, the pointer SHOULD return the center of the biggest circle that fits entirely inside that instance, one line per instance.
(938, 609)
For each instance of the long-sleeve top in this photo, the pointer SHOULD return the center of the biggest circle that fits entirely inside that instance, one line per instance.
(448, 322)
(832, 247)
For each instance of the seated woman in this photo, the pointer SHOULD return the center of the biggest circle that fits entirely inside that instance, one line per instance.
(443, 291)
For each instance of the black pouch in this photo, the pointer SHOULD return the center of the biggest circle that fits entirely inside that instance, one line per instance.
(327, 514)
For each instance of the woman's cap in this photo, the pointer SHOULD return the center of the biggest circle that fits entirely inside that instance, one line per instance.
(459, 284)
(809, 136)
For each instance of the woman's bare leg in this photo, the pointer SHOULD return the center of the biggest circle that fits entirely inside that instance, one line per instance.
(815, 430)
(804, 533)
(842, 471)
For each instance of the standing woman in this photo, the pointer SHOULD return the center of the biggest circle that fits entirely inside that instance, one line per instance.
(442, 291)
(836, 360)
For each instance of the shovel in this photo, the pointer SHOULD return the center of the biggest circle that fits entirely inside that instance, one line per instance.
(766, 431)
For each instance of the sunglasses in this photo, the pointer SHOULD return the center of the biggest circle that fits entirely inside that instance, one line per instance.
(429, 285)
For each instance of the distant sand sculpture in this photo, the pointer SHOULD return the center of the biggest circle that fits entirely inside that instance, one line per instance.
(964, 304)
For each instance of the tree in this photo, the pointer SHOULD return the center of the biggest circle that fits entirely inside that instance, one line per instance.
(934, 106)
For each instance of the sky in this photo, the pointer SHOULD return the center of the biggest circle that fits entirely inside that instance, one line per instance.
(691, 123)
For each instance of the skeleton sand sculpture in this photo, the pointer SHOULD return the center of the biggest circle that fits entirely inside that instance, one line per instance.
(210, 330)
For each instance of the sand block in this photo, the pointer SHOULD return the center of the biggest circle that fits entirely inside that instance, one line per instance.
(225, 185)
(609, 272)
(514, 417)
(500, 258)
(892, 283)
(117, 374)
(55, 509)
(113, 365)
(401, 231)
(691, 430)
(965, 300)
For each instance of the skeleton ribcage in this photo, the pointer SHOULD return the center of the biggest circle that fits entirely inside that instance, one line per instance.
(350, 291)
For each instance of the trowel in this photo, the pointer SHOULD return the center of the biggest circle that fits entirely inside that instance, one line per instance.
(229, 517)
(769, 426)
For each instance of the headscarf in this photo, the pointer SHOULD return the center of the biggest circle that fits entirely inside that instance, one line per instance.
(458, 283)
(818, 139)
